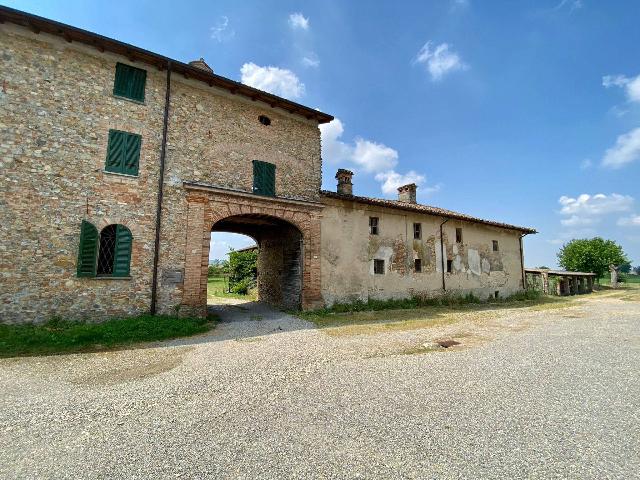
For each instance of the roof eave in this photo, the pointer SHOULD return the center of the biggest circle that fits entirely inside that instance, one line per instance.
(411, 208)
(39, 24)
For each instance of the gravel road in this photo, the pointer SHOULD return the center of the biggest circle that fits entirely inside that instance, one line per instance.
(528, 394)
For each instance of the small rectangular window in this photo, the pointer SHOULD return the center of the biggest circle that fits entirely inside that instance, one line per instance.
(378, 267)
(373, 225)
(495, 245)
(130, 82)
(449, 266)
(417, 231)
(264, 178)
(458, 235)
(123, 152)
(417, 265)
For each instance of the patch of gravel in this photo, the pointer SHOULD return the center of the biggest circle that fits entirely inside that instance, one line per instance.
(549, 394)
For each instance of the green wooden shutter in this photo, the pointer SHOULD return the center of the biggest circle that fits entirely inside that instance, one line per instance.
(269, 179)
(130, 82)
(122, 252)
(137, 84)
(121, 82)
(123, 152)
(264, 178)
(87, 250)
(257, 176)
(115, 152)
(131, 158)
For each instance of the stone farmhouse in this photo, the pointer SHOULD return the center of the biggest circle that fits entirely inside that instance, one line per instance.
(116, 164)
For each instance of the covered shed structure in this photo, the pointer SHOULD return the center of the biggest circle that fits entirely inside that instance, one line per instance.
(559, 282)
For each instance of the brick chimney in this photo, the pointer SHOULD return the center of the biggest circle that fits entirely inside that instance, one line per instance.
(345, 187)
(407, 193)
(201, 64)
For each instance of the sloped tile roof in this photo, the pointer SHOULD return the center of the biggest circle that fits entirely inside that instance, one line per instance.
(427, 209)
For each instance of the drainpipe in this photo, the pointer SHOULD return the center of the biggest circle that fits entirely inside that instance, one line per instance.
(442, 253)
(524, 278)
(163, 153)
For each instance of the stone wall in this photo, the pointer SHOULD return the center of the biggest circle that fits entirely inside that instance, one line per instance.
(347, 266)
(213, 138)
(280, 267)
(56, 109)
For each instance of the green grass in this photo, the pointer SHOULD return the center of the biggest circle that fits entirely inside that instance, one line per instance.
(60, 336)
(217, 286)
(451, 301)
(623, 278)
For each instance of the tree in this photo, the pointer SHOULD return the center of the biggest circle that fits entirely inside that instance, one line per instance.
(637, 270)
(591, 255)
(242, 269)
(625, 267)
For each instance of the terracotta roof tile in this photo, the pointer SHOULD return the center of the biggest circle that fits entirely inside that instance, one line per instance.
(427, 209)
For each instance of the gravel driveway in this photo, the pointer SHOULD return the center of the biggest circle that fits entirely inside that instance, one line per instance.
(527, 394)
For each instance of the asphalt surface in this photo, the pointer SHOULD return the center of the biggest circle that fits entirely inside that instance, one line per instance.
(527, 394)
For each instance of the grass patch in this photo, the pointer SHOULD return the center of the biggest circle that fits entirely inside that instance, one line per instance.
(378, 316)
(217, 286)
(448, 301)
(60, 336)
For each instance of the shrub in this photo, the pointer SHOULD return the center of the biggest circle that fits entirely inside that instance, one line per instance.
(241, 287)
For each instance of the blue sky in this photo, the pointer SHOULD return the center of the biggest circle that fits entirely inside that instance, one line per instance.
(523, 112)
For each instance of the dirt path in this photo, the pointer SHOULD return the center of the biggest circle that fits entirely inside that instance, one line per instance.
(528, 393)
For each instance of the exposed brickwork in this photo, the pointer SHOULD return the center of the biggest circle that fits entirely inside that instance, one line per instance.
(207, 208)
(54, 121)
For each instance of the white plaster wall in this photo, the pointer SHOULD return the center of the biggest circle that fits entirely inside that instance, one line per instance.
(348, 252)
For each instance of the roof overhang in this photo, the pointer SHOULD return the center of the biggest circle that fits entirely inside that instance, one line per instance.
(134, 54)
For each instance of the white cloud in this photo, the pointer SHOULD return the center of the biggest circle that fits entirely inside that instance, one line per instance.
(594, 205)
(439, 61)
(334, 150)
(577, 221)
(311, 60)
(459, 4)
(631, 85)
(297, 20)
(221, 31)
(391, 180)
(630, 221)
(374, 157)
(367, 156)
(278, 81)
(570, 4)
(626, 150)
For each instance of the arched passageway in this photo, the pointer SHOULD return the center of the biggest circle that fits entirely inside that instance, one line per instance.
(280, 256)
(287, 232)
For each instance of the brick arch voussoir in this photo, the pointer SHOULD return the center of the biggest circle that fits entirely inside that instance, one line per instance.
(133, 227)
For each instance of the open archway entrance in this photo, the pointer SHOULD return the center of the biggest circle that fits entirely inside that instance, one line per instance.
(280, 253)
(287, 232)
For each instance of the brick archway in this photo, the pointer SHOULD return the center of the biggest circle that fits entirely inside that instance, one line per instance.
(208, 205)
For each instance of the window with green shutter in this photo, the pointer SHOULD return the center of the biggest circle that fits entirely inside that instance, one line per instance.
(264, 178)
(107, 254)
(129, 82)
(123, 152)
(87, 250)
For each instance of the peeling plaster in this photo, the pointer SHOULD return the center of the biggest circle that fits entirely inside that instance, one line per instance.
(383, 253)
(474, 261)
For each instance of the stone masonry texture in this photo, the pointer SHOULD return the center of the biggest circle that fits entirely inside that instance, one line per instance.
(57, 107)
